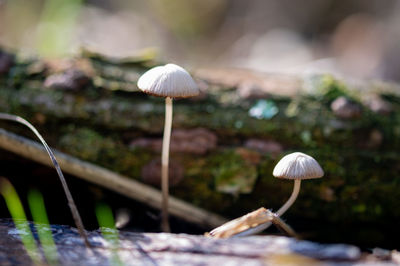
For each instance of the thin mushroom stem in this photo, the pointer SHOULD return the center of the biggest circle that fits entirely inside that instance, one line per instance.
(292, 199)
(282, 210)
(71, 203)
(164, 164)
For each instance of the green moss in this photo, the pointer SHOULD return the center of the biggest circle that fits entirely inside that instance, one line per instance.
(89, 145)
(198, 186)
(326, 88)
(361, 180)
(234, 175)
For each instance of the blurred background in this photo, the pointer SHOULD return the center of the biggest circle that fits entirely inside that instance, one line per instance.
(355, 137)
(353, 38)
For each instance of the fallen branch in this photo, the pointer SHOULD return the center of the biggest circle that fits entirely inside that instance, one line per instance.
(108, 179)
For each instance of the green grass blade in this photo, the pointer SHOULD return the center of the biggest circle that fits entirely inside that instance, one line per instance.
(17, 212)
(106, 222)
(38, 210)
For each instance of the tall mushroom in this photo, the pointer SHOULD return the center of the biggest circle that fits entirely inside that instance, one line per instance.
(295, 166)
(169, 81)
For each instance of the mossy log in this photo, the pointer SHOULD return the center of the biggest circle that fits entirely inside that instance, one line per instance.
(226, 141)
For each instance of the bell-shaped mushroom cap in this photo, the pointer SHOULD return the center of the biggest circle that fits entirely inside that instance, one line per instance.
(168, 81)
(298, 165)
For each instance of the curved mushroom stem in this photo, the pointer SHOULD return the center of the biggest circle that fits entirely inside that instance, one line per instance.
(282, 210)
(71, 203)
(292, 198)
(164, 164)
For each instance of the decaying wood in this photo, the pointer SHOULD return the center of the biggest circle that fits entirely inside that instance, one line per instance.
(181, 249)
(103, 177)
(251, 220)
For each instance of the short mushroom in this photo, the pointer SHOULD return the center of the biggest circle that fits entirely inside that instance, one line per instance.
(169, 81)
(295, 166)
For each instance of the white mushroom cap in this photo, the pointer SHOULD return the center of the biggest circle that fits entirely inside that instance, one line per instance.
(298, 165)
(168, 81)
